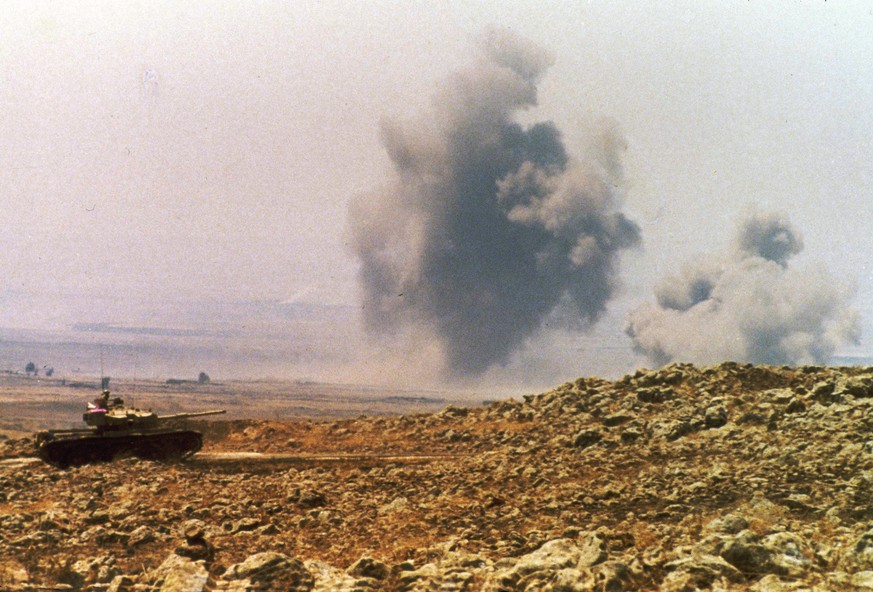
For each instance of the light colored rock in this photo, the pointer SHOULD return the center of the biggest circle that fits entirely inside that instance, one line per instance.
(571, 580)
(121, 584)
(186, 576)
(862, 579)
(715, 416)
(273, 571)
(591, 549)
(331, 579)
(13, 573)
(175, 574)
(613, 576)
(395, 505)
(856, 582)
(553, 555)
(367, 567)
(790, 553)
(729, 524)
(424, 578)
(95, 570)
(539, 569)
(774, 583)
(700, 570)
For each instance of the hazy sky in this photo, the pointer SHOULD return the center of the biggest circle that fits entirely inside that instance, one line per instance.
(165, 151)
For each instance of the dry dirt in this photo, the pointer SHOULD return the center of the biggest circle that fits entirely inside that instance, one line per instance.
(28, 404)
(726, 478)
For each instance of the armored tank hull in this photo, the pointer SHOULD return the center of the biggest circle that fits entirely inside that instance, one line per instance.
(68, 450)
(118, 431)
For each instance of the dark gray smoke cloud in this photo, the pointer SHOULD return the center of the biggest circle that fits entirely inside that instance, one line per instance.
(769, 236)
(747, 305)
(488, 225)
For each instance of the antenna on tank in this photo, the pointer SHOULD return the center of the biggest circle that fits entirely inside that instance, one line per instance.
(135, 372)
(104, 380)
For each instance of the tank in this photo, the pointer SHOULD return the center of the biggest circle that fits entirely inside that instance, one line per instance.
(115, 430)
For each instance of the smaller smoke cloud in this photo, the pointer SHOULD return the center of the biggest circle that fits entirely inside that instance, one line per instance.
(747, 305)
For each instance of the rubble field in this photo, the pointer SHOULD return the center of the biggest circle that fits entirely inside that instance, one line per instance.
(733, 477)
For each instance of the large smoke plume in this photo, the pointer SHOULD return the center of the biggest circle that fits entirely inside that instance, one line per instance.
(747, 305)
(488, 225)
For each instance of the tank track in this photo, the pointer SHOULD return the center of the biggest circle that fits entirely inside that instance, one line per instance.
(158, 446)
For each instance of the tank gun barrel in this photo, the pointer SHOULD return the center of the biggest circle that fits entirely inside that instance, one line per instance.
(193, 414)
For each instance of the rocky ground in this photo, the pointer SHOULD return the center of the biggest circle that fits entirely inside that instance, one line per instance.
(725, 478)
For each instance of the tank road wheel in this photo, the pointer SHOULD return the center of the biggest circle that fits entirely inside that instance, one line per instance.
(79, 451)
(168, 446)
(160, 446)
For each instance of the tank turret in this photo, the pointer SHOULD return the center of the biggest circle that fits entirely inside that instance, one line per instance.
(117, 430)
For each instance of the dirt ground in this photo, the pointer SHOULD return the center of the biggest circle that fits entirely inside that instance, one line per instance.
(731, 477)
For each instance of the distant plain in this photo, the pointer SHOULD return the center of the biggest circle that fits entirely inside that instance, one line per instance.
(32, 403)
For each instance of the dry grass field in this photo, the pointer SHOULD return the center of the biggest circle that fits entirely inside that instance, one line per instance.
(29, 404)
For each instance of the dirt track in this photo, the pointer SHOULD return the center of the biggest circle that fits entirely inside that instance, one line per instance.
(297, 460)
(259, 460)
